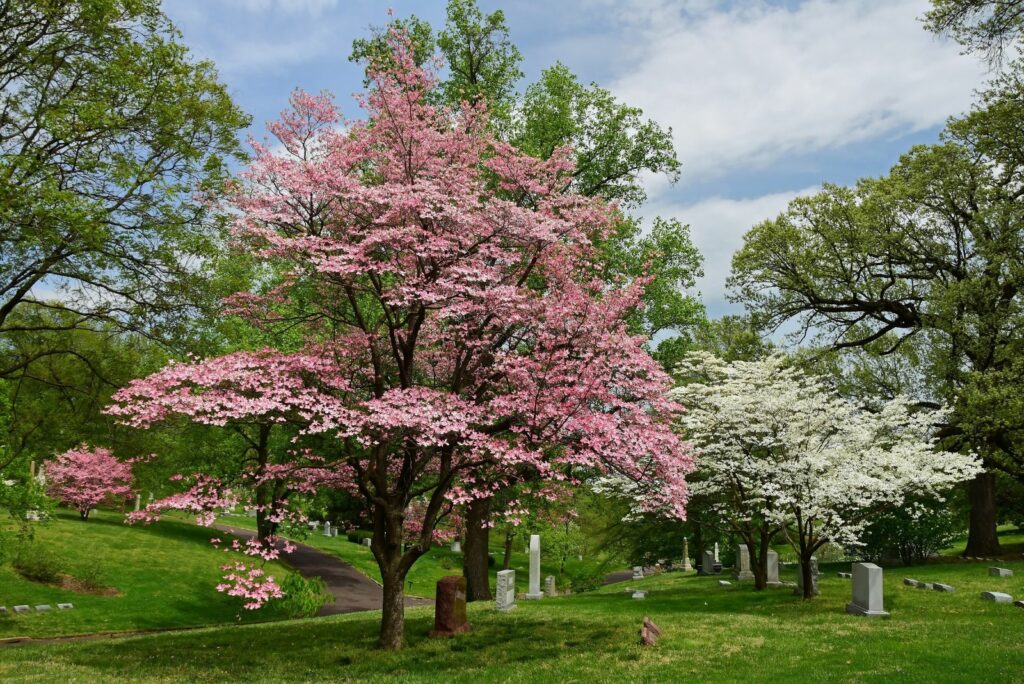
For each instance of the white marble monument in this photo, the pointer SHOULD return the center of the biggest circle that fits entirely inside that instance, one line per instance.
(867, 591)
(505, 596)
(534, 585)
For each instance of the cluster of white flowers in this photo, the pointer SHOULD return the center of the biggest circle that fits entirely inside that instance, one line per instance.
(776, 443)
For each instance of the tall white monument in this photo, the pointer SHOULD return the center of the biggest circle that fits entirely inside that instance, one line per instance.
(534, 588)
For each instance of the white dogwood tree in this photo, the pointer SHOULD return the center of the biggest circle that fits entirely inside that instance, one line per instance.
(778, 450)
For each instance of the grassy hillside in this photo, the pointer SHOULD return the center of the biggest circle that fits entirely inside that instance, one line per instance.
(164, 576)
(711, 634)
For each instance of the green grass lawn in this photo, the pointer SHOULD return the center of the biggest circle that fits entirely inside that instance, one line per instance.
(166, 574)
(711, 634)
(439, 562)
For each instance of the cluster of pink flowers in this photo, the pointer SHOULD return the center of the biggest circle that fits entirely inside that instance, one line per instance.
(250, 583)
(84, 477)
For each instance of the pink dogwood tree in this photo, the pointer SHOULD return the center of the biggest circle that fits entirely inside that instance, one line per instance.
(84, 477)
(450, 289)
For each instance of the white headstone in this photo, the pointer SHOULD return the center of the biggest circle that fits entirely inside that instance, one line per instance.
(867, 591)
(687, 567)
(639, 595)
(138, 501)
(45, 608)
(773, 569)
(65, 606)
(638, 572)
(21, 609)
(534, 588)
(366, 542)
(549, 586)
(992, 572)
(997, 596)
(505, 597)
(716, 553)
(327, 528)
(724, 583)
(456, 546)
(742, 570)
(947, 588)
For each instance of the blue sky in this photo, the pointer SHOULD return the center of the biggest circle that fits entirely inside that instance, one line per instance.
(767, 100)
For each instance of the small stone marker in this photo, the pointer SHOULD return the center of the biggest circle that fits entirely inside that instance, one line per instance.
(21, 609)
(911, 582)
(327, 528)
(925, 585)
(773, 569)
(939, 586)
(1019, 604)
(741, 571)
(708, 564)
(845, 575)
(366, 542)
(334, 533)
(639, 595)
(534, 583)
(997, 596)
(687, 567)
(799, 591)
(505, 596)
(138, 502)
(44, 608)
(716, 553)
(456, 546)
(724, 583)
(549, 586)
(638, 572)
(867, 591)
(450, 607)
(649, 632)
(65, 606)
(1000, 572)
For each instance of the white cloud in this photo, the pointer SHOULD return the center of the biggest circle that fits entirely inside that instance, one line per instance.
(717, 226)
(748, 84)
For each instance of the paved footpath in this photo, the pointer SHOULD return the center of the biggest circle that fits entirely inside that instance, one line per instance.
(353, 591)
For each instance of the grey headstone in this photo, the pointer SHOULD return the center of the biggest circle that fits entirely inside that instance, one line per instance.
(22, 609)
(638, 572)
(911, 582)
(1000, 572)
(925, 585)
(939, 586)
(44, 608)
(549, 586)
(741, 571)
(997, 596)
(687, 567)
(707, 563)
(505, 597)
(845, 575)
(867, 591)
(456, 546)
(639, 595)
(534, 591)
(65, 606)
(327, 528)
(367, 541)
(724, 583)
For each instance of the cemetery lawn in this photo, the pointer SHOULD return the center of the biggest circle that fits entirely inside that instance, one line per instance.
(164, 576)
(711, 634)
(440, 561)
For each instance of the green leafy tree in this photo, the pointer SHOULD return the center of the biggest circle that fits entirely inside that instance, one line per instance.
(986, 26)
(931, 254)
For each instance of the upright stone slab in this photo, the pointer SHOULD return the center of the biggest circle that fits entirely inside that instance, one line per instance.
(549, 586)
(456, 546)
(773, 569)
(707, 563)
(327, 528)
(450, 607)
(534, 589)
(799, 591)
(138, 502)
(1000, 572)
(367, 541)
(638, 572)
(716, 553)
(741, 571)
(687, 567)
(505, 596)
(867, 591)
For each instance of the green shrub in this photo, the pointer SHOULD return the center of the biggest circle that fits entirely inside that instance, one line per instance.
(303, 597)
(912, 534)
(37, 563)
(91, 575)
(357, 536)
(585, 578)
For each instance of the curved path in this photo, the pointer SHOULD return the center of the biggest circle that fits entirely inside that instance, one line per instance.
(353, 591)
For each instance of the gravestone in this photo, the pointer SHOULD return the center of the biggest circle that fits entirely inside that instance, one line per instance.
(687, 567)
(65, 606)
(327, 528)
(867, 591)
(450, 607)
(925, 585)
(534, 583)
(741, 571)
(911, 582)
(334, 533)
(1019, 604)
(773, 569)
(505, 596)
(997, 596)
(708, 566)
(639, 595)
(138, 502)
(638, 572)
(939, 586)
(1000, 572)
(549, 586)
(844, 575)
(456, 546)
(44, 608)
(716, 553)
(21, 609)
(649, 632)
(799, 591)
(724, 583)
(367, 541)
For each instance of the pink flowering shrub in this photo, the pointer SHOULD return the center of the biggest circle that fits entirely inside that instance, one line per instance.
(84, 477)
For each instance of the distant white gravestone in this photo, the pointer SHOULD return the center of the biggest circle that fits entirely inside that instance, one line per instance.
(867, 591)
(773, 569)
(327, 528)
(638, 572)
(742, 570)
(549, 586)
(534, 590)
(505, 597)
(687, 567)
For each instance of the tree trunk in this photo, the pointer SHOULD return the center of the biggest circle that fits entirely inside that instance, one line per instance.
(474, 555)
(982, 539)
(759, 564)
(392, 621)
(507, 561)
(806, 577)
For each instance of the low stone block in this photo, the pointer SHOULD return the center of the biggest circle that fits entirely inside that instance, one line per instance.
(925, 585)
(724, 583)
(911, 582)
(639, 595)
(1019, 604)
(1000, 572)
(997, 596)
(939, 586)
(65, 606)
(22, 609)
(450, 607)
(44, 608)
(845, 575)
